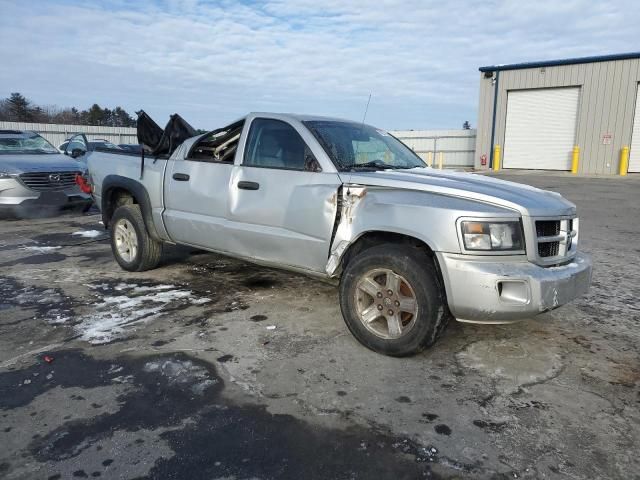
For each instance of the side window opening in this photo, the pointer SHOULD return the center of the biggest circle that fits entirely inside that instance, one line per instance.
(276, 144)
(220, 145)
(76, 143)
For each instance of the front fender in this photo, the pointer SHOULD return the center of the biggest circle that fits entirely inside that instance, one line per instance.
(425, 216)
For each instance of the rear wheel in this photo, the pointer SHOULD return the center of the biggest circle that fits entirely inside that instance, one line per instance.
(132, 246)
(392, 300)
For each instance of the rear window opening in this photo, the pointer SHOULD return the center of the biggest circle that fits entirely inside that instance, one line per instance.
(219, 145)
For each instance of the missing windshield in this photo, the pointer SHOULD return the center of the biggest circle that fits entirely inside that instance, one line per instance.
(354, 147)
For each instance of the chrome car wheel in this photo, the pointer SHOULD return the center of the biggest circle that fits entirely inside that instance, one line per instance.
(126, 240)
(386, 303)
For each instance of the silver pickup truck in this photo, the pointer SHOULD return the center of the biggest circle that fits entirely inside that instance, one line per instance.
(410, 246)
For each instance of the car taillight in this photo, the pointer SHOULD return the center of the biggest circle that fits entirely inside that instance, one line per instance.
(83, 183)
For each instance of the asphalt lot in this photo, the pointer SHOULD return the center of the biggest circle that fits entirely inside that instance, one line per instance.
(212, 368)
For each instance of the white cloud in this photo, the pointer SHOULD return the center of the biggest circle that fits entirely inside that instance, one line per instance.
(214, 62)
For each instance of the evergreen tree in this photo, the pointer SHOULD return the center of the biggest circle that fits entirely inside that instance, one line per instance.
(95, 115)
(19, 108)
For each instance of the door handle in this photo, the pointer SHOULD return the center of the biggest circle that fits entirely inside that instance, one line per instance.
(244, 185)
(181, 177)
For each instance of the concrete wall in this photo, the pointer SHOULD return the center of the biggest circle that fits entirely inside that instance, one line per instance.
(607, 102)
(457, 146)
(56, 134)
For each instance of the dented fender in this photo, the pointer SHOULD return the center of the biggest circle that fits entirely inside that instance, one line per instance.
(426, 216)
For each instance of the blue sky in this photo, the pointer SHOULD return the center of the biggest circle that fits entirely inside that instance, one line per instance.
(214, 61)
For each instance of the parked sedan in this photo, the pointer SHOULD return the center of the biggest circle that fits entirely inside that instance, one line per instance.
(35, 177)
(80, 147)
(132, 147)
(92, 143)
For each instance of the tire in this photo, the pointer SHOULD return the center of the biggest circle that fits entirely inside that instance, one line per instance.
(132, 247)
(417, 289)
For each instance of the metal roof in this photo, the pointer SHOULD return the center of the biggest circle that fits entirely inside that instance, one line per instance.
(566, 61)
(301, 117)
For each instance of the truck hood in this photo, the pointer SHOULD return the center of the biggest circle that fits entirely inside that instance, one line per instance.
(46, 162)
(527, 200)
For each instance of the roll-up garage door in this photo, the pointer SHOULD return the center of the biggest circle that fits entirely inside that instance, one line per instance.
(541, 128)
(634, 155)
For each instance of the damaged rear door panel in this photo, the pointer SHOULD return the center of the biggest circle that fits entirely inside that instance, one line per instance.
(196, 189)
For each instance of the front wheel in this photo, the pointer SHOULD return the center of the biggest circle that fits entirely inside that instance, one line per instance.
(392, 300)
(131, 244)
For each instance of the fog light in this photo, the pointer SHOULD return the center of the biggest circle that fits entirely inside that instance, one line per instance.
(514, 291)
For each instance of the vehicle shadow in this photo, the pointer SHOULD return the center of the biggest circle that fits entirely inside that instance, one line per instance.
(44, 211)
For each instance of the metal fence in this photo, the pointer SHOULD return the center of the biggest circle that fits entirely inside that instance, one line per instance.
(454, 148)
(56, 134)
(449, 148)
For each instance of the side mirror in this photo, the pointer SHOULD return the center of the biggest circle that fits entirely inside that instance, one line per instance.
(77, 152)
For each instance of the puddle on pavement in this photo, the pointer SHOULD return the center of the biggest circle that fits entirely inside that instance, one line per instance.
(35, 259)
(229, 276)
(260, 282)
(211, 436)
(68, 239)
(112, 314)
(49, 304)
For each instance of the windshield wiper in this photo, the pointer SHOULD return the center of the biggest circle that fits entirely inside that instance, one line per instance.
(374, 165)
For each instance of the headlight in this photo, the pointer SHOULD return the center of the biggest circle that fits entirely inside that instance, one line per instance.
(492, 236)
(6, 175)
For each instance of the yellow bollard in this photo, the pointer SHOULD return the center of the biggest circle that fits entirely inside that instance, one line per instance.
(440, 155)
(496, 157)
(624, 160)
(575, 160)
(430, 159)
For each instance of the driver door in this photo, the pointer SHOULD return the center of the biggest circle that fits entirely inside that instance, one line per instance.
(282, 206)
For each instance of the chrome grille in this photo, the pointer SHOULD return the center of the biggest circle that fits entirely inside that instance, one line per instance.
(547, 228)
(49, 181)
(549, 249)
(556, 240)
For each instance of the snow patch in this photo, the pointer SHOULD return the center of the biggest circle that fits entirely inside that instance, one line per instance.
(56, 317)
(39, 249)
(183, 373)
(114, 315)
(88, 233)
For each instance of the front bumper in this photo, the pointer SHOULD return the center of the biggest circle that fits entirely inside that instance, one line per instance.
(14, 196)
(500, 290)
